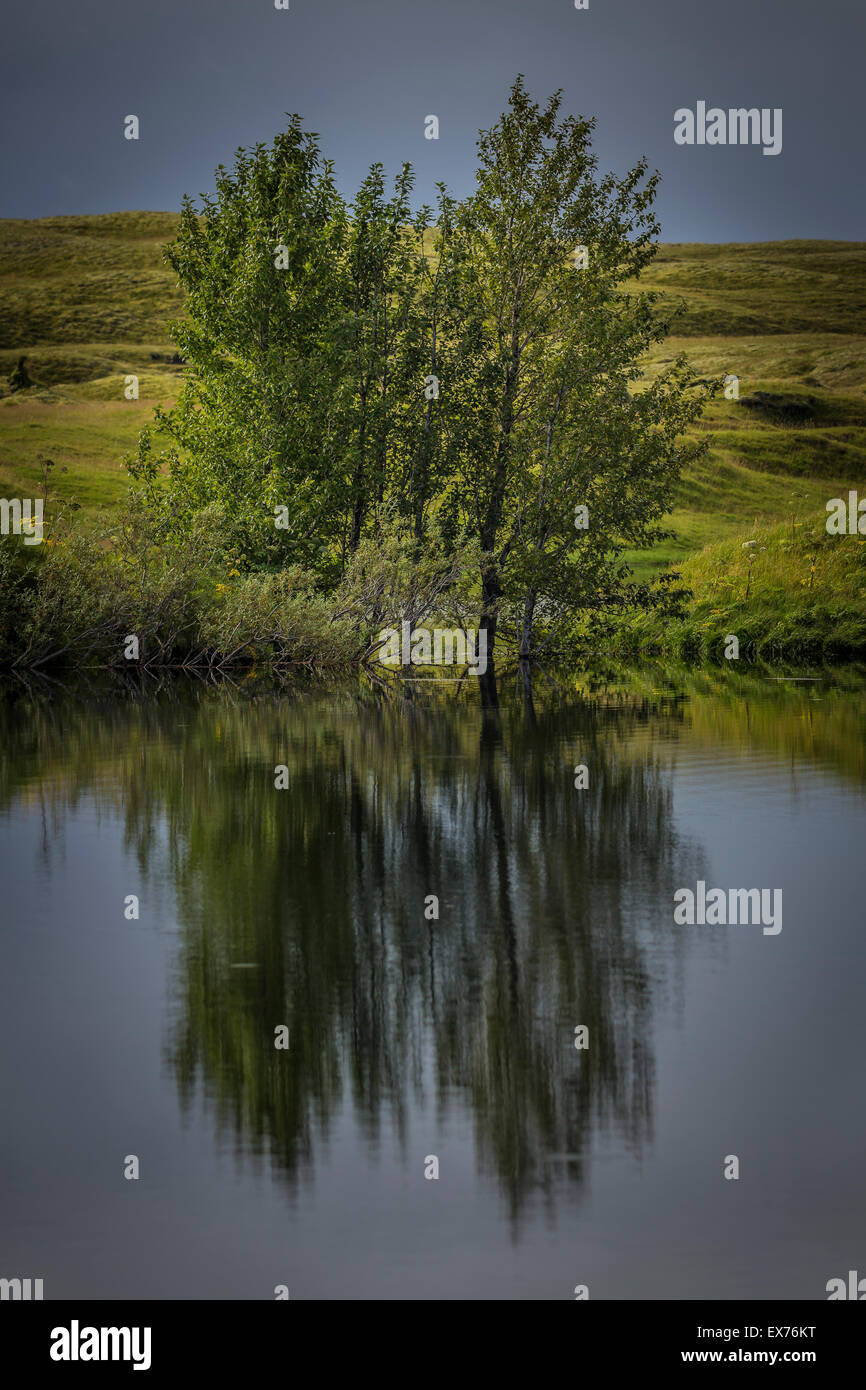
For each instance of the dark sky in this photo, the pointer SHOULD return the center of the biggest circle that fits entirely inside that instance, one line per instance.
(205, 76)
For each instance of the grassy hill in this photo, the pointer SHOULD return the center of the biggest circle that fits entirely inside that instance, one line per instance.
(88, 300)
(789, 319)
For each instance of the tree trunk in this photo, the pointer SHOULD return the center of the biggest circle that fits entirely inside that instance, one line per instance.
(529, 603)
(490, 595)
(358, 480)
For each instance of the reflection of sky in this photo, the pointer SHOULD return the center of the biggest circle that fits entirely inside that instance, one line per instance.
(759, 1055)
(208, 75)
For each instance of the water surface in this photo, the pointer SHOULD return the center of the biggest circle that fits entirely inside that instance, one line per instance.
(412, 1038)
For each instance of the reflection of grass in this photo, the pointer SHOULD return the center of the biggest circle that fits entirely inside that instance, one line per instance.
(749, 707)
(809, 723)
(736, 704)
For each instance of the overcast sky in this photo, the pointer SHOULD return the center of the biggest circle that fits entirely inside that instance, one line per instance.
(205, 76)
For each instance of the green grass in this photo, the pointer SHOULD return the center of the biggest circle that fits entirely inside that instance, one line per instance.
(86, 280)
(759, 288)
(86, 441)
(88, 300)
(790, 588)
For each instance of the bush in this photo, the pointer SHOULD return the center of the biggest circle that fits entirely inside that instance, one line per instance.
(79, 596)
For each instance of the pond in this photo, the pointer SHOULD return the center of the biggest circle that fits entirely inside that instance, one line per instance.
(336, 993)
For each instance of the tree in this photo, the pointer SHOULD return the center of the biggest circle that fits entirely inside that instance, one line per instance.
(309, 334)
(19, 377)
(375, 334)
(473, 382)
(252, 428)
(549, 423)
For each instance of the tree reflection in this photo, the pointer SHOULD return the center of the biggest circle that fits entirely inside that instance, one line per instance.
(305, 907)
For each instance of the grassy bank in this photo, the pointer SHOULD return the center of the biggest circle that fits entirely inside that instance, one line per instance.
(788, 591)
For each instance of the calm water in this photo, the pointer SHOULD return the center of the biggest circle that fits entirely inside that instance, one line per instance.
(411, 1038)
